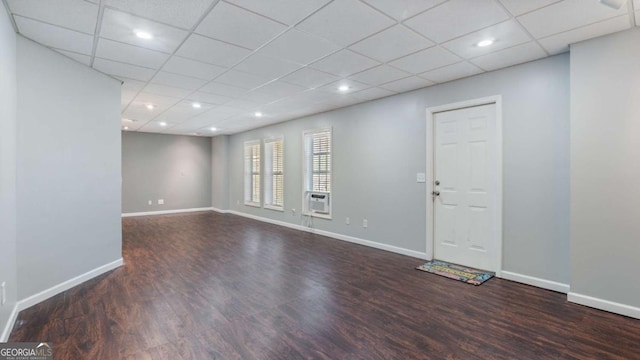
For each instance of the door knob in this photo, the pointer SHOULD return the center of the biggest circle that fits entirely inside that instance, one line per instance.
(437, 182)
(435, 193)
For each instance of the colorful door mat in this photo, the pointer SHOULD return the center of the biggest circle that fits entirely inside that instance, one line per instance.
(456, 272)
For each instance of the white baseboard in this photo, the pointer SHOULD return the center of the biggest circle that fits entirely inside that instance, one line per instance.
(534, 281)
(55, 290)
(221, 211)
(355, 240)
(606, 305)
(6, 332)
(164, 212)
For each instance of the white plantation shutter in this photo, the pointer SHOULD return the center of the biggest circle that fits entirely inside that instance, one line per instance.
(274, 173)
(252, 172)
(317, 160)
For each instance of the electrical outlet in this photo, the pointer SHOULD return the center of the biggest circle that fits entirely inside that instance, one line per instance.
(4, 293)
(365, 223)
(150, 202)
(293, 211)
(160, 201)
(347, 221)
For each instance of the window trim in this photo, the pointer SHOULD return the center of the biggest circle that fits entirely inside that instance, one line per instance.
(273, 139)
(305, 208)
(248, 174)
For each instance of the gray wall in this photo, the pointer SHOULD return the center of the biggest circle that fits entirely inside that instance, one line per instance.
(220, 172)
(174, 168)
(7, 165)
(379, 147)
(605, 171)
(68, 169)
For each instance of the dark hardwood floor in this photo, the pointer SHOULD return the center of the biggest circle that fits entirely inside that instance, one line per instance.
(212, 286)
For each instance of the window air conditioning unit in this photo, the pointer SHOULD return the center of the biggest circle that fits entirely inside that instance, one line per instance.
(318, 202)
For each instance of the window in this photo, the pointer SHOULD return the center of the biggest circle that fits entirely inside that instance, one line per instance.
(274, 174)
(252, 173)
(317, 163)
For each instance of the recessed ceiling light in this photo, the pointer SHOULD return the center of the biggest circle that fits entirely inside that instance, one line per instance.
(258, 114)
(163, 123)
(486, 42)
(344, 88)
(213, 129)
(150, 106)
(126, 128)
(129, 120)
(196, 105)
(143, 34)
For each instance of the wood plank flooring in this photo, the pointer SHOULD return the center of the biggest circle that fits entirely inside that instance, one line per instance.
(213, 286)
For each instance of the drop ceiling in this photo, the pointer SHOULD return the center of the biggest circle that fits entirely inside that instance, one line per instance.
(287, 58)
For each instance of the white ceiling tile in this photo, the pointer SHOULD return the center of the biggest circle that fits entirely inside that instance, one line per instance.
(505, 34)
(243, 104)
(273, 91)
(238, 26)
(179, 81)
(345, 22)
(125, 53)
(310, 78)
(296, 46)
(285, 11)
(202, 123)
(124, 70)
(209, 98)
(131, 124)
(54, 36)
(332, 88)
(519, 7)
(159, 102)
(566, 15)
(83, 59)
(76, 15)
(344, 63)
(380, 75)
(211, 51)
(183, 14)
(126, 96)
(182, 111)
(511, 56)
(407, 84)
(425, 60)
(452, 72)
(223, 89)
(403, 9)
(242, 79)
(455, 18)
(271, 68)
(556, 44)
(139, 113)
(121, 27)
(156, 126)
(372, 93)
(192, 68)
(391, 44)
(131, 84)
(164, 90)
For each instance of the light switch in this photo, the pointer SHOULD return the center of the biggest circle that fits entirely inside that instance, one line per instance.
(421, 177)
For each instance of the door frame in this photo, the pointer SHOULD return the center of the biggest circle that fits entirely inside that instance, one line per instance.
(430, 167)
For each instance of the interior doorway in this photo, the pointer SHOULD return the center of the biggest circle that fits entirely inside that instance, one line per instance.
(464, 187)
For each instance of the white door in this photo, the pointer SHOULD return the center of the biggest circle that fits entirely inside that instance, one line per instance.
(465, 170)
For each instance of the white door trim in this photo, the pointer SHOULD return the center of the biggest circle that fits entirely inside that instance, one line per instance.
(497, 225)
